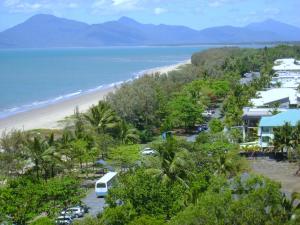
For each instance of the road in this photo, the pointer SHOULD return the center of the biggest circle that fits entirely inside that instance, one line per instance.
(96, 204)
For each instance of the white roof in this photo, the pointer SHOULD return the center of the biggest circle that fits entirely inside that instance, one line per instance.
(286, 64)
(107, 177)
(287, 74)
(287, 83)
(258, 112)
(274, 95)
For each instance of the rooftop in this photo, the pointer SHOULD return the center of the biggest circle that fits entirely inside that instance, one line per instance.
(107, 177)
(259, 112)
(286, 64)
(286, 83)
(287, 74)
(291, 116)
(275, 95)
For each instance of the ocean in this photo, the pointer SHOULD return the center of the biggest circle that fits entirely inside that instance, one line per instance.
(33, 78)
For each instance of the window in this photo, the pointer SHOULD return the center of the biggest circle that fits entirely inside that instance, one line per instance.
(101, 185)
(265, 130)
(266, 139)
(111, 182)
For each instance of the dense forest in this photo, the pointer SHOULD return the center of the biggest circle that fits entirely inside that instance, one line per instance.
(201, 182)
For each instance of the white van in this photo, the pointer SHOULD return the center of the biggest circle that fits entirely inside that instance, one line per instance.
(104, 183)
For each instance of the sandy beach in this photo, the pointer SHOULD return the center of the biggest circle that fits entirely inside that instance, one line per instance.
(48, 117)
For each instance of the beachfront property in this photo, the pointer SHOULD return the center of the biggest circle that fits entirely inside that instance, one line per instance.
(268, 123)
(289, 64)
(286, 79)
(252, 116)
(281, 97)
(287, 73)
(286, 83)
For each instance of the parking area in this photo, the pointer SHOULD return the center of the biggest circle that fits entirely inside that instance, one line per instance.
(95, 204)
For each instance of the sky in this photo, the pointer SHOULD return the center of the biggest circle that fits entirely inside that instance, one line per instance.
(197, 14)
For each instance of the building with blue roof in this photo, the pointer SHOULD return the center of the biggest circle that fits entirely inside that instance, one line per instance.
(267, 124)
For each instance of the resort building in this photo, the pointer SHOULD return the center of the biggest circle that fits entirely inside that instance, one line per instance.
(252, 116)
(289, 64)
(268, 123)
(281, 97)
(286, 83)
(286, 79)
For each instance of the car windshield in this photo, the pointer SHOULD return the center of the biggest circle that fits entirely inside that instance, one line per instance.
(101, 185)
(62, 219)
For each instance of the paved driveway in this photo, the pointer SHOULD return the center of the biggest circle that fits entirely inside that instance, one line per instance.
(96, 204)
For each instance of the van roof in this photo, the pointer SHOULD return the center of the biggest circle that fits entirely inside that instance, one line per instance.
(107, 177)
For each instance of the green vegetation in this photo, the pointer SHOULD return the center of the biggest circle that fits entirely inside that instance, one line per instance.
(205, 182)
(287, 139)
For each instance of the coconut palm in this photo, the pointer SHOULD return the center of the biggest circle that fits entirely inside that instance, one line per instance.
(283, 140)
(291, 206)
(43, 155)
(176, 164)
(296, 135)
(296, 144)
(102, 117)
(128, 134)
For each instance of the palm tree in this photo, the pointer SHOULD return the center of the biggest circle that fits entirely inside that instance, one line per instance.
(296, 144)
(102, 117)
(296, 135)
(44, 155)
(176, 163)
(35, 149)
(128, 134)
(223, 165)
(292, 206)
(283, 138)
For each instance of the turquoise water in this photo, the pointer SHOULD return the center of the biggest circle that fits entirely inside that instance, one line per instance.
(35, 78)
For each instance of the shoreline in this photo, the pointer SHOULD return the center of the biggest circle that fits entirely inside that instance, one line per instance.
(48, 117)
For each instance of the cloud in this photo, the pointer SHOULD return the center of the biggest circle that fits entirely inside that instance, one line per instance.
(272, 11)
(116, 5)
(30, 6)
(159, 10)
(219, 3)
(73, 5)
(24, 6)
(9, 3)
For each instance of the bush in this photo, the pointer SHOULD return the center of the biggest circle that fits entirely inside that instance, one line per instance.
(216, 126)
(43, 221)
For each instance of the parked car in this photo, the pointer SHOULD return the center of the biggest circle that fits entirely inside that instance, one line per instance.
(201, 128)
(83, 207)
(63, 220)
(73, 212)
(148, 151)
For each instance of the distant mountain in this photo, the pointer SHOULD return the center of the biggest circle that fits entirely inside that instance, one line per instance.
(44, 31)
(280, 30)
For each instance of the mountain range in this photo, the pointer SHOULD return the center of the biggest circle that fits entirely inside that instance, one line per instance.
(46, 31)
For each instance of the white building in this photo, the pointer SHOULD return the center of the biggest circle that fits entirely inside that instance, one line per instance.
(289, 64)
(284, 97)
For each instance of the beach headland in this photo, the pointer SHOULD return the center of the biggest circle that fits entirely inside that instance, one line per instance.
(48, 117)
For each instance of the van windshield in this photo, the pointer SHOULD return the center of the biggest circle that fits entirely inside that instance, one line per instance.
(101, 185)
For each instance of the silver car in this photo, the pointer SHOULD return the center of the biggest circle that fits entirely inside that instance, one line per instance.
(74, 212)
